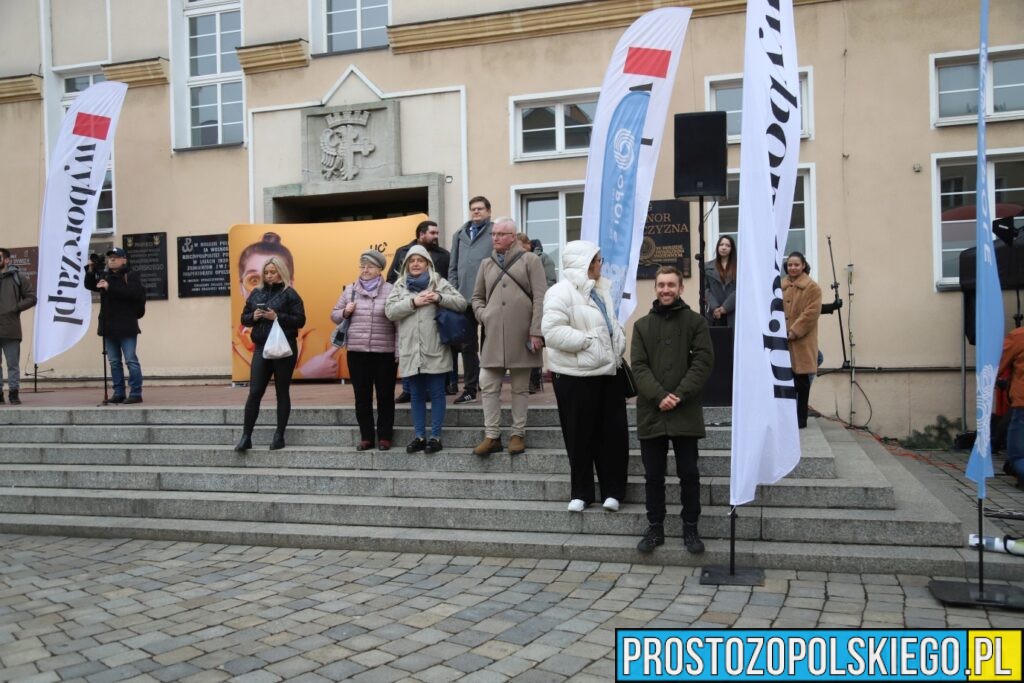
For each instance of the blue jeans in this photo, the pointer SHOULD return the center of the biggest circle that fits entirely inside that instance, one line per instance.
(1015, 442)
(115, 347)
(11, 349)
(452, 378)
(421, 386)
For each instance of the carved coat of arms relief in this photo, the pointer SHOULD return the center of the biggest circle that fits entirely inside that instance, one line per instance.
(344, 138)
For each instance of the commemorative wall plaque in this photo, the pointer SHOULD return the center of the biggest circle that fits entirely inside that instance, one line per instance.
(666, 238)
(147, 255)
(204, 268)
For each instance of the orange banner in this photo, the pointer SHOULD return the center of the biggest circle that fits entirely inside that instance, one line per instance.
(324, 258)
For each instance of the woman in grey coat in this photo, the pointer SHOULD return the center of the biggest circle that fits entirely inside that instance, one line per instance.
(720, 276)
(413, 304)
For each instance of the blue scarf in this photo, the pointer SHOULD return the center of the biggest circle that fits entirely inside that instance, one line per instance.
(417, 284)
(596, 298)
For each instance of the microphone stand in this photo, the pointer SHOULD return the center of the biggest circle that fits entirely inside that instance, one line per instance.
(839, 315)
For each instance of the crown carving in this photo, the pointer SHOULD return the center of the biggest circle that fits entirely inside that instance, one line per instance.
(354, 118)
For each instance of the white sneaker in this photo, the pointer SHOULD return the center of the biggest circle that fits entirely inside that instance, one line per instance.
(576, 505)
(611, 504)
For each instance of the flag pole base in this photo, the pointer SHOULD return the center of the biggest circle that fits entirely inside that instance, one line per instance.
(719, 575)
(969, 595)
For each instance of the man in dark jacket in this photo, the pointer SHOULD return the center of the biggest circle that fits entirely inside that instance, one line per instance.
(16, 296)
(122, 302)
(427, 236)
(672, 359)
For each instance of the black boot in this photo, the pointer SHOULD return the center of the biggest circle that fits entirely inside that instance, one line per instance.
(653, 537)
(245, 443)
(15, 401)
(691, 539)
(278, 441)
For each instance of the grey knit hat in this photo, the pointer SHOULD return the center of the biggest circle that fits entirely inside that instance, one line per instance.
(374, 257)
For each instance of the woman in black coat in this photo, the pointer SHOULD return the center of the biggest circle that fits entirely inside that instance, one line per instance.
(273, 300)
(721, 283)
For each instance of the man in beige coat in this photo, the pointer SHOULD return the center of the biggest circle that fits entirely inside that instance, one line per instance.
(508, 300)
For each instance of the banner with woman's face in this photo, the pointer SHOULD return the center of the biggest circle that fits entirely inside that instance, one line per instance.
(323, 258)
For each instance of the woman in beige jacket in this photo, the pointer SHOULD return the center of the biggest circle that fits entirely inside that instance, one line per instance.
(413, 304)
(801, 302)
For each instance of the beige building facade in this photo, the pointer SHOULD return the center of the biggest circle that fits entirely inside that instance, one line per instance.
(249, 111)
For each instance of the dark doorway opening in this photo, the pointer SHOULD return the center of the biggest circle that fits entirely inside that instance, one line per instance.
(351, 206)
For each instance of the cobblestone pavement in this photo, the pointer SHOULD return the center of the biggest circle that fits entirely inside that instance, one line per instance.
(112, 610)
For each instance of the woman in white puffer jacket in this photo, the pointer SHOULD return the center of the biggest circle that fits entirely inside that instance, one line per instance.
(585, 344)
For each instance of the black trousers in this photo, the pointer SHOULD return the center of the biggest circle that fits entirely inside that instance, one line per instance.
(592, 412)
(260, 373)
(372, 371)
(803, 392)
(654, 453)
(470, 356)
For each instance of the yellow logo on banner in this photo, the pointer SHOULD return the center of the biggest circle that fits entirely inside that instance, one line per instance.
(994, 655)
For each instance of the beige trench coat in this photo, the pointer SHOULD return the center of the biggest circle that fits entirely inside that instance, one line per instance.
(507, 314)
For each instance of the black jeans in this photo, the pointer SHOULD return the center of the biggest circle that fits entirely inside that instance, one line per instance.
(803, 392)
(260, 373)
(654, 453)
(470, 356)
(372, 371)
(592, 412)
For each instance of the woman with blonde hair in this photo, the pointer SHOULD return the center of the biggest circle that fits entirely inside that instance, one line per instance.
(413, 303)
(274, 299)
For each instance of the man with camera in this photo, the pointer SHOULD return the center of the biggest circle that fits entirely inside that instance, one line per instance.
(122, 303)
(16, 296)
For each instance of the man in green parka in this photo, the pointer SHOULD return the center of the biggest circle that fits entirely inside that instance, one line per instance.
(672, 359)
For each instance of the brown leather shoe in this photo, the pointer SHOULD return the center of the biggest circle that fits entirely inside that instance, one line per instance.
(487, 446)
(516, 445)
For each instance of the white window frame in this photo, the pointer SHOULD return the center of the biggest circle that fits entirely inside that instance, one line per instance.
(941, 59)
(806, 75)
(941, 159)
(319, 43)
(806, 171)
(556, 99)
(519, 194)
(183, 81)
(66, 100)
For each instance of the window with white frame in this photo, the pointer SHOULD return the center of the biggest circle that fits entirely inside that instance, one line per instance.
(728, 216)
(215, 103)
(956, 86)
(356, 24)
(725, 93)
(73, 85)
(552, 216)
(958, 180)
(551, 127)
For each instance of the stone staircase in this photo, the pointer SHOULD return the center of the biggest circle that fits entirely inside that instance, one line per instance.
(170, 474)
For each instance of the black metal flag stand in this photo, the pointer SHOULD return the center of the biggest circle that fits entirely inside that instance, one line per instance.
(720, 575)
(977, 595)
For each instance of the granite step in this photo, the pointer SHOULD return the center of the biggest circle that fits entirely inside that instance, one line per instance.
(790, 492)
(807, 556)
(455, 416)
(876, 527)
(341, 437)
(814, 463)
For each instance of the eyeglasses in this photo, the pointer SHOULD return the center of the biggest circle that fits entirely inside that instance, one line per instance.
(598, 259)
(502, 234)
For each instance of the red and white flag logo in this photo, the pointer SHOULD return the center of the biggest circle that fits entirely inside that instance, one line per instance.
(645, 61)
(92, 126)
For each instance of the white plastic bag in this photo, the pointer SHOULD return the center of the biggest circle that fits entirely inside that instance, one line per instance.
(277, 345)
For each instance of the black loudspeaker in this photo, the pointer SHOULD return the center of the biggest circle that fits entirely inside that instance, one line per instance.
(700, 154)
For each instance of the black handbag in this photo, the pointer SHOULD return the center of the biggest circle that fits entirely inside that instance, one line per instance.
(625, 375)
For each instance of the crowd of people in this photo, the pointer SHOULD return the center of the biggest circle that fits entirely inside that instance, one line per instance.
(502, 292)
